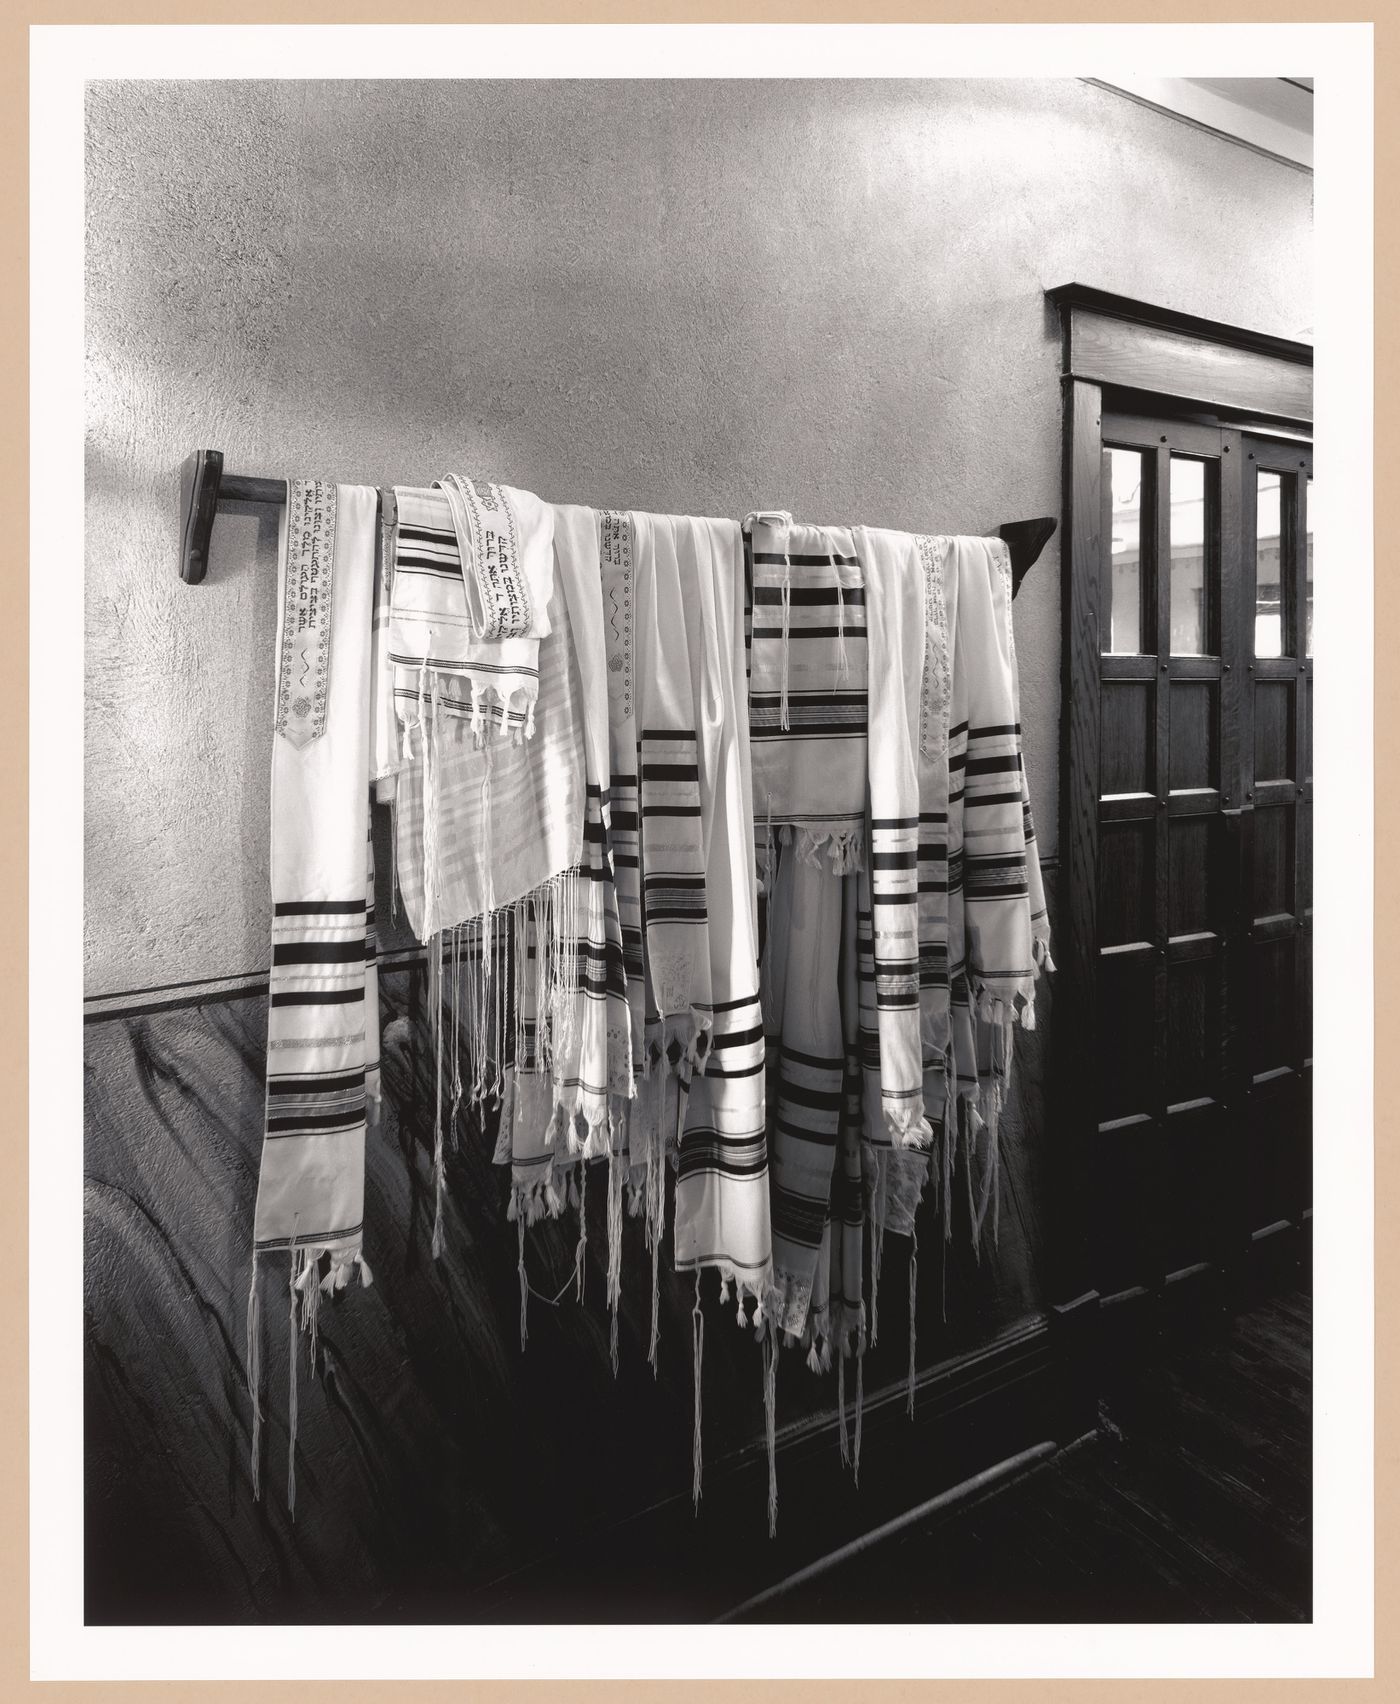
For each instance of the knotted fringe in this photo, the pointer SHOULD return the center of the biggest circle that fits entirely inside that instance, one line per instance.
(524, 1281)
(770, 1412)
(860, 1412)
(656, 1229)
(843, 1434)
(614, 1285)
(913, 1307)
(253, 1363)
(435, 1023)
(304, 1289)
(581, 1248)
(698, 1330)
(292, 1274)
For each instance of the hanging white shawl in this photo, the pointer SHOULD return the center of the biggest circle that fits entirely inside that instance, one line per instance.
(895, 633)
(485, 813)
(323, 1025)
(722, 1181)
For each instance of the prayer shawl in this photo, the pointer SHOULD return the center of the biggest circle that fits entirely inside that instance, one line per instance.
(481, 820)
(1005, 938)
(896, 638)
(323, 1015)
(807, 699)
(432, 624)
(704, 826)
(668, 688)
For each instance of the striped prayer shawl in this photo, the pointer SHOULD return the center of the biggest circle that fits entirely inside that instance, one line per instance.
(895, 602)
(431, 625)
(999, 933)
(807, 683)
(722, 1205)
(1005, 931)
(482, 818)
(322, 1033)
(674, 902)
(598, 1061)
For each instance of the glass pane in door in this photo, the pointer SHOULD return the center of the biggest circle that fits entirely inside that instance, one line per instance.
(1122, 628)
(1190, 537)
(1268, 573)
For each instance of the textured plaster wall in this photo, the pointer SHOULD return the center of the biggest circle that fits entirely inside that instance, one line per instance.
(691, 296)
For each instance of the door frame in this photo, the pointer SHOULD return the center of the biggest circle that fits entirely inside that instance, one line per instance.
(1127, 357)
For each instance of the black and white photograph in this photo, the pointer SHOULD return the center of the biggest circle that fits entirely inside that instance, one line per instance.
(698, 846)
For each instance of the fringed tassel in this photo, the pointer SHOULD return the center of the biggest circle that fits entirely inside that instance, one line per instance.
(581, 1250)
(844, 1433)
(524, 1281)
(770, 1413)
(311, 1306)
(614, 1242)
(698, 1333)
(292, 1387)
(860, 1411)
(253, 1362)
(877, 1252)
(435, 1016)
(656, 1222)
(456, 981)
(913, 1312)
(843, 668)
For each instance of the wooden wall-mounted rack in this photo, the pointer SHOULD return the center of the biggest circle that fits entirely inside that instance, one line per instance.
(204, 484)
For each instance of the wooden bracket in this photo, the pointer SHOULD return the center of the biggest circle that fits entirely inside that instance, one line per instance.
(203, 485)
(201, 474)
(1026, 540)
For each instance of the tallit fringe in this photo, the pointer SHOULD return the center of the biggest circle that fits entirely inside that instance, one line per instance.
(839, 849)
(616, 1164)
(907, 1127)
(770, 1417)
(493, 711)
(305, 1287)
(697, 1317)
(816, 1340)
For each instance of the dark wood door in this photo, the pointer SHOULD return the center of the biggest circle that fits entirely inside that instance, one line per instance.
(1200, 814)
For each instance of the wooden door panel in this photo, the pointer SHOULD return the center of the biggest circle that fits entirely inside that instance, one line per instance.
(1273, 730)
(1193, 1031)
(1125, 738)
(1126, 884)
(1272, 1014)
(1271, 873)
(1197, 1187)
(1275, 1185)
(1190, 887)
(1126, 1167)
(1195, 707)
(1127, 1035)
